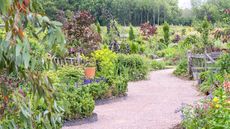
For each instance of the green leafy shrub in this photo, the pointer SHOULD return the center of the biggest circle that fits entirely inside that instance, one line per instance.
(135, 67)
(157, 65)
(173, 54)
(67, 74)
(224, 63)
(210, 81)
(182, 68)
(36, 110)
(142, 49)
(124, 48)
(209, 114)
(106, 60)
(98, 28)
(206, 79)
(205, 29)
(166, 33)
(134, 48)
(77, 102)
(27, 100)
(183, 31)
(113, 86)
(189, 41)
(131, 33)
(119, 85)
(99, 90)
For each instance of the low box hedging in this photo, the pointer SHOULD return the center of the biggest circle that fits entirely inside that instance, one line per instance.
(78, 102)
(99, 90)
(119, 85)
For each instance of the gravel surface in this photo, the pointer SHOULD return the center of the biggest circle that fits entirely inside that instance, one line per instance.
(150, 104)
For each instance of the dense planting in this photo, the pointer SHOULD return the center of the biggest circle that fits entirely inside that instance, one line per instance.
(52, 72)
(211, 113)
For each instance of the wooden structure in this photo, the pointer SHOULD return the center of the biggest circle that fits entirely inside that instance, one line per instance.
(2, 25)
(68, 61)
(198, 63)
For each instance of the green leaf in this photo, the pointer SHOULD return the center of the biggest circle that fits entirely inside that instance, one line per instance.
(55, 23)
(8, 36)
(45, 112)
(26, 59)
(18, 49)
(5, 5)
(46, 19)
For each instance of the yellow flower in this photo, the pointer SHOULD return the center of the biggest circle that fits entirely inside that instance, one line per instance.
(228, 101)
(215, 100)
(217, 105)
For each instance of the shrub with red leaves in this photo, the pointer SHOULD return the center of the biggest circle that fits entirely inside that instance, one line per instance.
(147, 30)
(176, 38)
(78, 29)
(227, 11)
(222, 34)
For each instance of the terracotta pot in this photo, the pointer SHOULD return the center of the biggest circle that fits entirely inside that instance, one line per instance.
(90, 72)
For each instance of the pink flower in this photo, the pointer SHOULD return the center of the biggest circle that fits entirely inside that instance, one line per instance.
(227, 86)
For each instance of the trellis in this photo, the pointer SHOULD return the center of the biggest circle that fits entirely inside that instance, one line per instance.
(67, 61)
(2, 25)
(198, 63)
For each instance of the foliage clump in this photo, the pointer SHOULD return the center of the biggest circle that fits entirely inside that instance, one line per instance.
(212, 112)
(131, 33)
(106, 60)
(166, 33)
(133, 67)
(147, 30)
(157, 65)
(26, 93)
(81, 37)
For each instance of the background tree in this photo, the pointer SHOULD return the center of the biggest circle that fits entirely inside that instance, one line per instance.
(136, 11)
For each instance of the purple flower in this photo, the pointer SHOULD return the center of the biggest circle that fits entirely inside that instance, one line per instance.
(210, 96)
(97, 80)
(72, 50)
(182, 116)
(87, 81)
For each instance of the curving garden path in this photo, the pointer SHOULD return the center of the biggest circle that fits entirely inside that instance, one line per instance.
(151, 104)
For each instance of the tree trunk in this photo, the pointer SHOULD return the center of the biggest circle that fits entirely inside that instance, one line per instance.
(158, 16)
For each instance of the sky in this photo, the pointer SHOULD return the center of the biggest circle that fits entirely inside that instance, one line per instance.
(184, 4)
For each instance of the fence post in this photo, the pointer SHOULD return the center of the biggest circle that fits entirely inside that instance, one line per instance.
(78, 58)
(189, 55)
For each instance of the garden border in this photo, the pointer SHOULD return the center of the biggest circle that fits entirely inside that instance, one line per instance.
(111, 99)
(91, 119)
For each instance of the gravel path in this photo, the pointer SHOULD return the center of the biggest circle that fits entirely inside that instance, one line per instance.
(150, 104)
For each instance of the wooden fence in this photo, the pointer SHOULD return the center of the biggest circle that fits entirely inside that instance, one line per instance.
(201, 62)
(68, 61)
(2, 26)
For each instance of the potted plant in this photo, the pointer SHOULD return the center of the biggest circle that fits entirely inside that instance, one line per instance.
(90, 68)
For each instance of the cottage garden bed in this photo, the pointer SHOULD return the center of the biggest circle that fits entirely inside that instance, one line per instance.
(38, 93)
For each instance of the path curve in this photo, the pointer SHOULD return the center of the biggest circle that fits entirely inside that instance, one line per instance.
(151, 104)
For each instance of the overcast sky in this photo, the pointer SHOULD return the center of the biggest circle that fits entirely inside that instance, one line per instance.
(184, 4)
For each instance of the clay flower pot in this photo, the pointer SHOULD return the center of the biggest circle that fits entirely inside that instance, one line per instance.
(90, 72)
